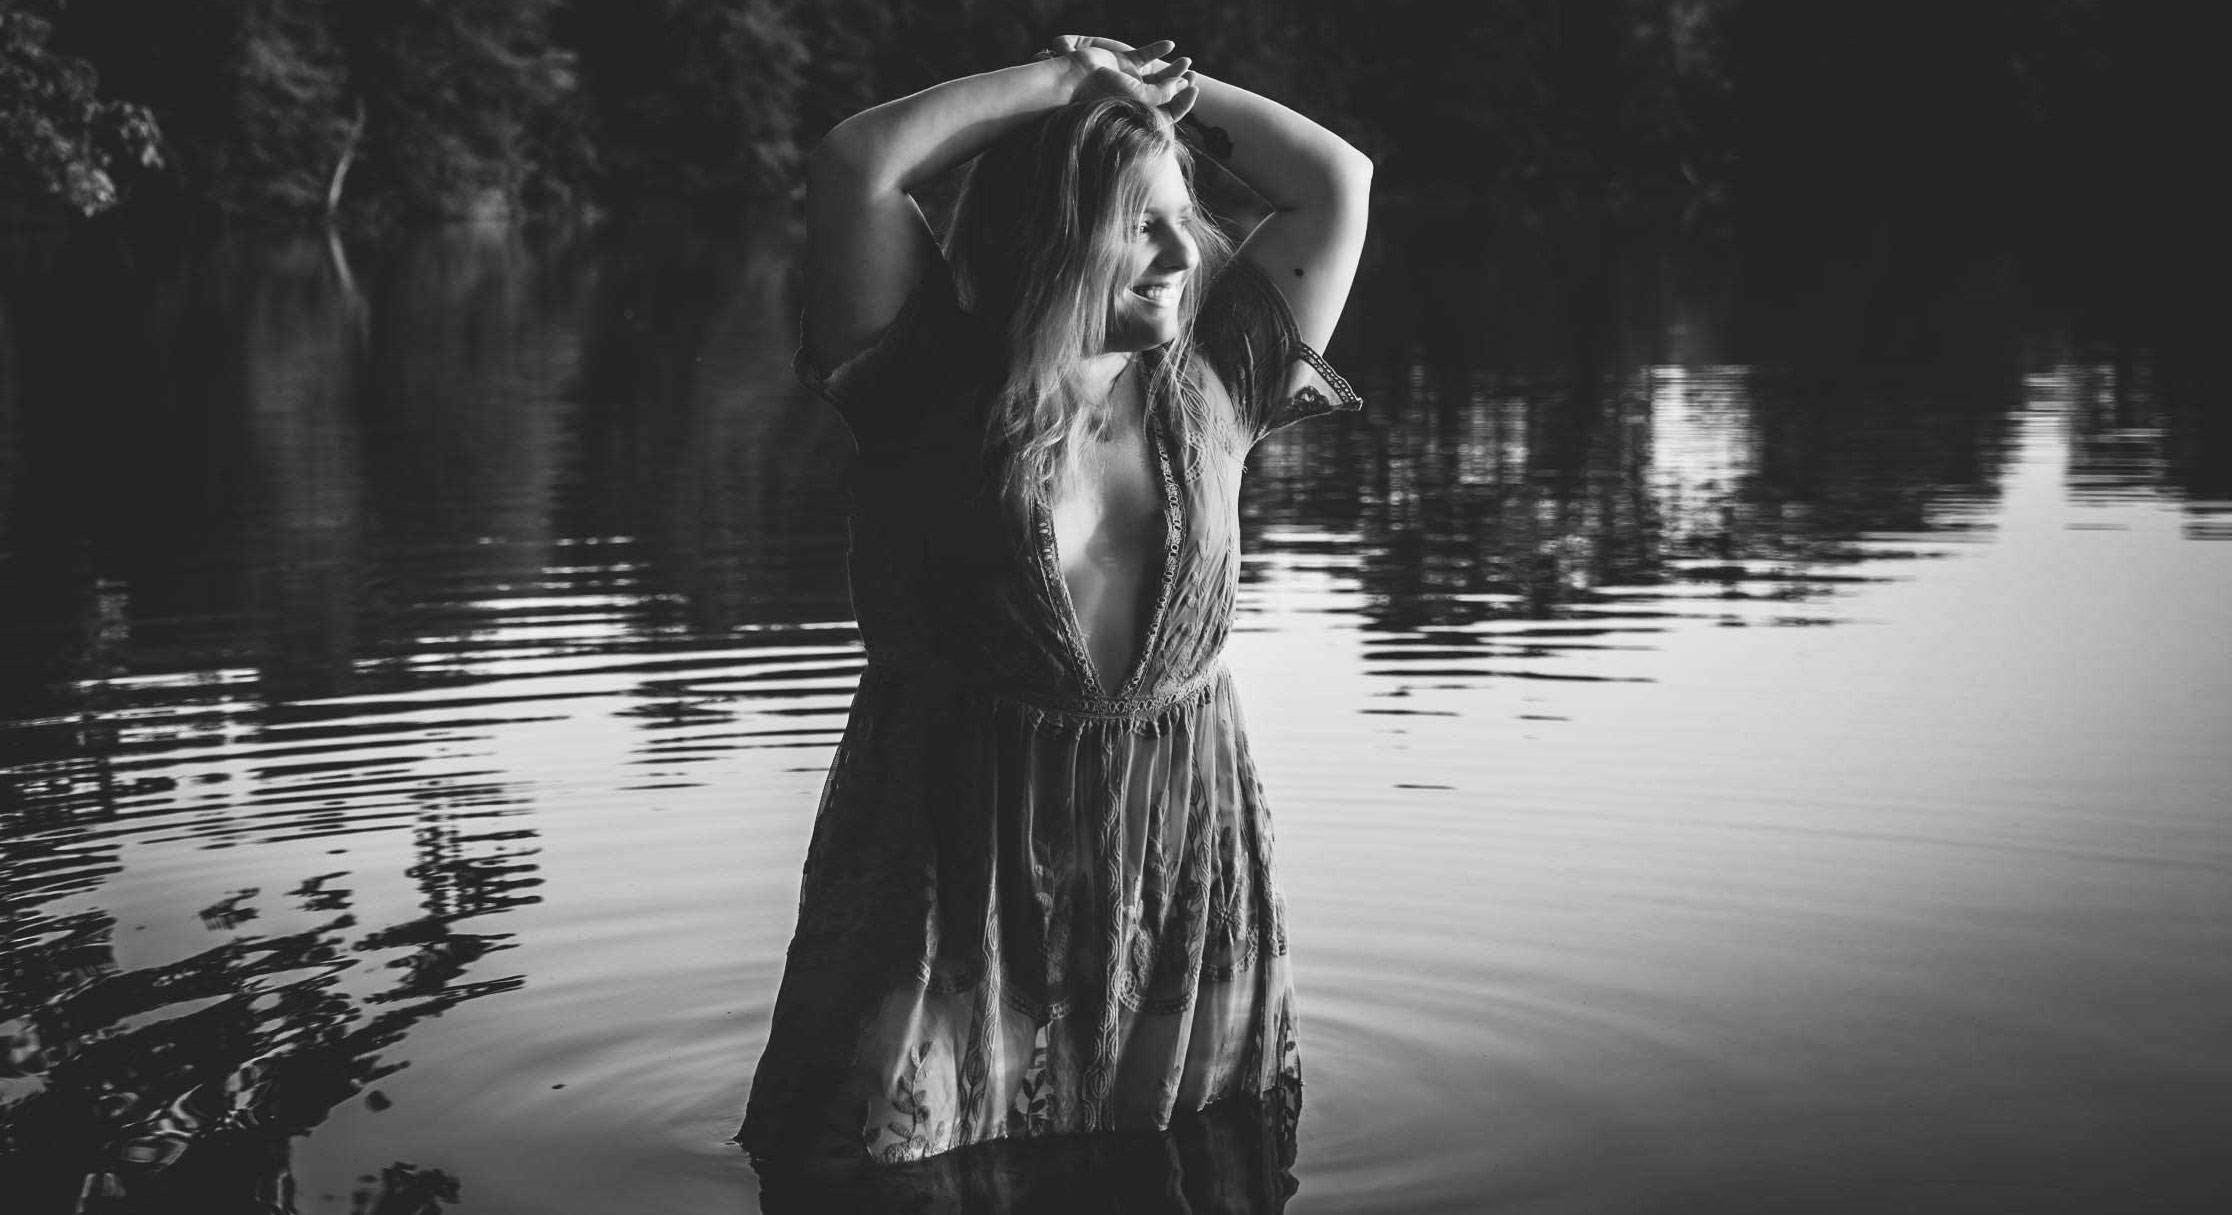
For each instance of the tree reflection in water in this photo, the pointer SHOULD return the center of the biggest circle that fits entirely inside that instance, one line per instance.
(236, 1049)
(178, 1086)
(1566, 421)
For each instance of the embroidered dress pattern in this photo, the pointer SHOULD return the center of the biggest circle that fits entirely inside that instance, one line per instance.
(1034, 906)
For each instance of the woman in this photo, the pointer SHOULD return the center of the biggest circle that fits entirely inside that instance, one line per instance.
(1038, 897)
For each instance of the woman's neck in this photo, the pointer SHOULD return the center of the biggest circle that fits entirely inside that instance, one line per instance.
(1112, 391)
(1097, 377)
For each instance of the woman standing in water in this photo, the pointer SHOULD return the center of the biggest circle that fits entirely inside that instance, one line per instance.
(1038, 899)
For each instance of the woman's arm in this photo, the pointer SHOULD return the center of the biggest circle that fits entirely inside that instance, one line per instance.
(1319, 189)
(867, 245)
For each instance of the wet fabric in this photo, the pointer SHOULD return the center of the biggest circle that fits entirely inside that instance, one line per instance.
(1034, 905)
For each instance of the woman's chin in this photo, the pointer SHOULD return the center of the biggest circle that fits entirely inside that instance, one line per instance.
(1138, 332)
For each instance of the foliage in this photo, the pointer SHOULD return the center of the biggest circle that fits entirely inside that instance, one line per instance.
(55, 128)
(409, 108)
(1599, 99)
(451, 89)
(694, 99)
(291, 123)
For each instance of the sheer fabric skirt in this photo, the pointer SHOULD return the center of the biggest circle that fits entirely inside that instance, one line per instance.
(1020, 922)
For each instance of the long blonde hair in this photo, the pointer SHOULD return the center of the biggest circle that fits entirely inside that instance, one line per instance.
(1037, 246)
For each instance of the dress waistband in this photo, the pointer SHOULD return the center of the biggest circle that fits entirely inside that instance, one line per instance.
(1093, 708)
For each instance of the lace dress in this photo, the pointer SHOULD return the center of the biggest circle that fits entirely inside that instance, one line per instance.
(1034, 905)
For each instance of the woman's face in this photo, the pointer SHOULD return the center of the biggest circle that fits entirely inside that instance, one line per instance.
(1161, 257)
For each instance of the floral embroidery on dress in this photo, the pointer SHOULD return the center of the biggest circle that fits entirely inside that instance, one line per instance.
(1031, 1113)
(917, 1129)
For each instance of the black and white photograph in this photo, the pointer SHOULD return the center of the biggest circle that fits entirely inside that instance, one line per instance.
(1069, 607)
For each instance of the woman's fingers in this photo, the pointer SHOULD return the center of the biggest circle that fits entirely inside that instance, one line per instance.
(1140, 73)
(1114, 82)
(1183, 103)
(1138, 60)
(1169, 71)
(1118, 83)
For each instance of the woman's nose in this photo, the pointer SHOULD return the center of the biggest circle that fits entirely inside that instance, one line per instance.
(1176, 249)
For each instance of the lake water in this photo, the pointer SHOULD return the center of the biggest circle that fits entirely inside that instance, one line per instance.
(1731, 751)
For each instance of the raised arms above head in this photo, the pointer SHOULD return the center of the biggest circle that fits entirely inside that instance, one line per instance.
(867, 244)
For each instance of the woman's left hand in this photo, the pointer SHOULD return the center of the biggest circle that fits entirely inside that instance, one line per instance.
(1117, 69)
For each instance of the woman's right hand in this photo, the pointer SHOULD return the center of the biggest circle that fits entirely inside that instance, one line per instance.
(1104, 67)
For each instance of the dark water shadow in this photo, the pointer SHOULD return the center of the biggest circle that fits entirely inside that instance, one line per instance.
(1235, 1158)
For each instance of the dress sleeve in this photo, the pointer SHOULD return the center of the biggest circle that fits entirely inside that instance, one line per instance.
(922, 357)
(1248, 334)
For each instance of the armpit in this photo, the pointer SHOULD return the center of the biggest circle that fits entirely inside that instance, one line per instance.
(1249, 335)
(1312, 388)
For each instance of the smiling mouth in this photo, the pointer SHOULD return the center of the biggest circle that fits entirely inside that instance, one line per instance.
(1158, 293)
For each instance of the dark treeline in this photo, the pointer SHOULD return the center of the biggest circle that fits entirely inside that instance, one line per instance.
(1902, 141)
(390, 110)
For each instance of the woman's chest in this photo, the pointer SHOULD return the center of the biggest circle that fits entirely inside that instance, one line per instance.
(1109, 510)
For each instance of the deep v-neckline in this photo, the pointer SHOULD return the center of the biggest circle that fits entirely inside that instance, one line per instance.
(1057, 581)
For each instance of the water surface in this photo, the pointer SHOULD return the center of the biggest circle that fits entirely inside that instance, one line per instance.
(1727, 756)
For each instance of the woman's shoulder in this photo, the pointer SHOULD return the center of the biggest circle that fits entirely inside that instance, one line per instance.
(1252, 353)
(932, 359)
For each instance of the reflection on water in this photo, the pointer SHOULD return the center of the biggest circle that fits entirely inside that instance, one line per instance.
(417, 665)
